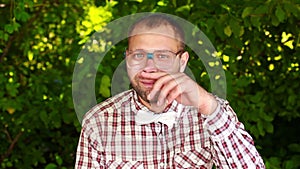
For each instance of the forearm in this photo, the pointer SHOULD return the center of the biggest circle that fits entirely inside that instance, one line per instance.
(233, 147)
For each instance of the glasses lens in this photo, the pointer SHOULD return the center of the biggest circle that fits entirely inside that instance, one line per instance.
(136, 58)
(164, 59)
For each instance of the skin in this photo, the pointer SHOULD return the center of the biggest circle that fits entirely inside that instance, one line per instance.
(157, 88)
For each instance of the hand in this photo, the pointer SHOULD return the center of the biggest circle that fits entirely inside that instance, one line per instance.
(183, 89)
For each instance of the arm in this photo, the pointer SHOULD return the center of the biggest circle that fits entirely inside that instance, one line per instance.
(88, 154)
(232, 146)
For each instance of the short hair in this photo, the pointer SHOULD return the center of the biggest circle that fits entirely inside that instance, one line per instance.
(156, 20)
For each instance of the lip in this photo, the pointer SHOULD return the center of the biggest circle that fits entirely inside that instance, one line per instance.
(147, 83)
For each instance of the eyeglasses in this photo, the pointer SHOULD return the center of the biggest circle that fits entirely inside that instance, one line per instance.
(163, 59)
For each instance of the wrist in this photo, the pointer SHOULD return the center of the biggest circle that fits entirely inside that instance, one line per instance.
(209, 104)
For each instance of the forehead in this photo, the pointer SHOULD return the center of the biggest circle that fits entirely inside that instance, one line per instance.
(162, 37)
(162, 30)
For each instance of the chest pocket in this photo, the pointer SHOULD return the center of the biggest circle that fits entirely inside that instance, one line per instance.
(200, 158)
(120, 164)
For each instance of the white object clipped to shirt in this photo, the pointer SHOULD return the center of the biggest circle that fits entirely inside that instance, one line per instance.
(145, 117)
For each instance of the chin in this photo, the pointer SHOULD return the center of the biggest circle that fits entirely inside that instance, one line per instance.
(142, 93)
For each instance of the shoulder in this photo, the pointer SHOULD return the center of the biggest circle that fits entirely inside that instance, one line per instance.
(109, 107)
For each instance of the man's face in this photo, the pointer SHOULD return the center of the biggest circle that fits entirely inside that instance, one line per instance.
(151, 42)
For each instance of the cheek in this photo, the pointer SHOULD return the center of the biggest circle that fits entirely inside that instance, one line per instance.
(175, 68)
(132, 73)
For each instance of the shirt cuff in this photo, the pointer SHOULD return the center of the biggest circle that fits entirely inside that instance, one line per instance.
(220, 123)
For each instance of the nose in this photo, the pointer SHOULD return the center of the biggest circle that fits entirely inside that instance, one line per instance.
(150, 65)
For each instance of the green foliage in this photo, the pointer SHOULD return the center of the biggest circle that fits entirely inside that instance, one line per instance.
(39, 47)
(258, 42)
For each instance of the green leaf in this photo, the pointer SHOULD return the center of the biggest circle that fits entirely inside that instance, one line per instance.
(273, 163)
(235, 27)
(58, 160)
(275, 21)
(294, 147)
(9, 164)
(247, 11)
(161, 3)
(21, 15)
(105, 86)
(185, 8)
(220, 30)
(12, 89)
(294, 9)
(67, 117)
(9, 28)
(257, 97)
(290, 164)
(262, 9)
(280, 14)
(174, 3)
(269, 127)
(268, 118)
(254, 131)
(260, 127)
(255, 20)
(228, 31)
(44, 118)
(51, 166)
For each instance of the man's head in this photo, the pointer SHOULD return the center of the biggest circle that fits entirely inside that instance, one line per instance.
(155, 44)
(157, 24)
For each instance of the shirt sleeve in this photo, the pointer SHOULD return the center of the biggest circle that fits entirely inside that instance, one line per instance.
(89, 154)
(232, 146)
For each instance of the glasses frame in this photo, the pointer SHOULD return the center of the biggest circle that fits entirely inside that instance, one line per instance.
(150, 55)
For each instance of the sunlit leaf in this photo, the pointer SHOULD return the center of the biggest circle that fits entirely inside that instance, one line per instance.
(11, 110)
(289, 44)
(227, 31)
(105, 86)
(225, 58)
(30, 55)
(271, 67)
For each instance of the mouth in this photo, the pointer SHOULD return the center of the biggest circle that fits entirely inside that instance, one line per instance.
(147, 83)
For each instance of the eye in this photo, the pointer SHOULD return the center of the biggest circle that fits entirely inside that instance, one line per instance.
(163, 56)
(138, 56)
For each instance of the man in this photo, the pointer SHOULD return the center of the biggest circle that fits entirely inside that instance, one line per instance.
(167, 120)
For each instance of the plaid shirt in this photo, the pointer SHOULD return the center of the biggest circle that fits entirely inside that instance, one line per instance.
(111, 138)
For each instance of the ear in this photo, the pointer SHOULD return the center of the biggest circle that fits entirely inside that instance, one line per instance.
(183, 61)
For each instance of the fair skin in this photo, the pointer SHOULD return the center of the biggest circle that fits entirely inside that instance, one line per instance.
(158, 88)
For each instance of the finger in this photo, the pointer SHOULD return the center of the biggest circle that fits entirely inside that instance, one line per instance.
(183, 87)
(174, 85)
(160, 83)
(175, 94)
(153, 75)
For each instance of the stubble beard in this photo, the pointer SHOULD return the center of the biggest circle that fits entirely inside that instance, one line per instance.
(143, 92)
